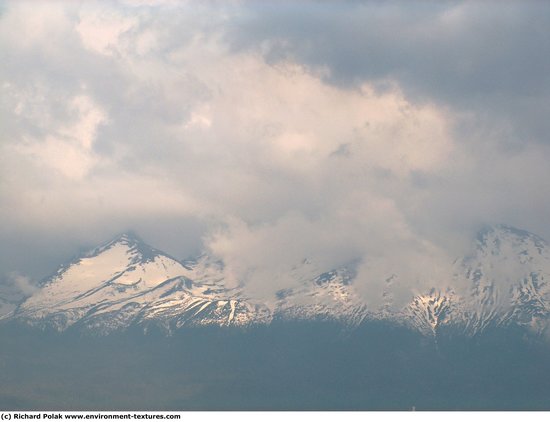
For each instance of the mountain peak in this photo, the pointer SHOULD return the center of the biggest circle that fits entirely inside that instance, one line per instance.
(504, 229)
(125, 281)
(127, 237)
(130, 241)
(494, 238)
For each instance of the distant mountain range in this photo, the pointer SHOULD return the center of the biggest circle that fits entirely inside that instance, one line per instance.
(127, 283)
(126, 326)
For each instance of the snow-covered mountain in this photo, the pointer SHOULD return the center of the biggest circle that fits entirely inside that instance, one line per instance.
(322, 295)
(505, 280)
(128, 283)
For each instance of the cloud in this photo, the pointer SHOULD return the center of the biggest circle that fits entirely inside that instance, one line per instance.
(68, 148)
(246, 129)
(100, 30)
(23, 284)
(487, 59)
(16, 286)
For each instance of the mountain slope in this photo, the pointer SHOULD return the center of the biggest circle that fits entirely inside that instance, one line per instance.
(126, 282)
(322, 296)
(503, 281)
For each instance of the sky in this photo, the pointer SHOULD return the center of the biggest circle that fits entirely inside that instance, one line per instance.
(267, 132)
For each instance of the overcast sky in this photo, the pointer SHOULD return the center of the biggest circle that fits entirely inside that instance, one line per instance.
(271, 131)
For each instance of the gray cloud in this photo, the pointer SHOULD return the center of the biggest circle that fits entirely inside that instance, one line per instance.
(270, 133)
(489, 59)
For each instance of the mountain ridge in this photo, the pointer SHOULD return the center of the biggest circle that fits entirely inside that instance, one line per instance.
(125, 282)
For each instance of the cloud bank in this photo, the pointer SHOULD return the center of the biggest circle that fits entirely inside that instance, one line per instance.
(268, 133)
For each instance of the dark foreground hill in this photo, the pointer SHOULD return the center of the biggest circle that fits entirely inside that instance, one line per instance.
(281, 366)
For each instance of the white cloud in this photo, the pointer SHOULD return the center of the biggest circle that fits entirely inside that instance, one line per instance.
(100, 29)
(69, 148)
(139, 115)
